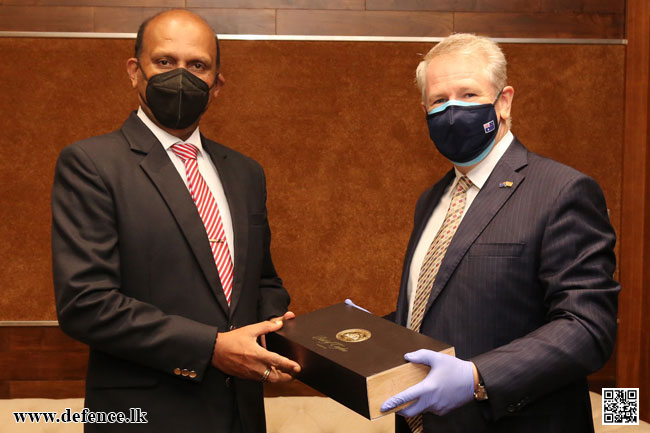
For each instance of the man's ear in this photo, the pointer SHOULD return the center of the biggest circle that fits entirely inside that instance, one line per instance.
(218, 85)
(132, 68)
(424, 107)
(504, 104)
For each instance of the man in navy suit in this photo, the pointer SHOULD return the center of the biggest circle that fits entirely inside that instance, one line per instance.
(510, 260)
(170, 295)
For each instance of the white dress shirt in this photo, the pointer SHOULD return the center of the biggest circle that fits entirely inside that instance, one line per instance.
(206, 168)
(478, 175)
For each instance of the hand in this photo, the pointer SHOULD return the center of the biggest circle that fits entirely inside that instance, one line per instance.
(449, 384)
(286, 316)
(237, 353)
(352, 304)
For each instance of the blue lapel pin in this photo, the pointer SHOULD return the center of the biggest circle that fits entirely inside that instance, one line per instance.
(506, 184)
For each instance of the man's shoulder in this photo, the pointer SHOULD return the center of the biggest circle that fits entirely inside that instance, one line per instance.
(217, 149)
(100, 142)
(552, 171)
(101, 148)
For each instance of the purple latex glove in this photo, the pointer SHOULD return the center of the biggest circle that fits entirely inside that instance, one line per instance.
(352, 304)
(449, 384)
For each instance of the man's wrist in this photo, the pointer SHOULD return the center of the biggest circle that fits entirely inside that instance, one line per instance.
(477, 378)
(480, 393)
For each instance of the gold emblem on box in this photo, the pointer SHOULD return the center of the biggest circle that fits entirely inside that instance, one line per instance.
(353, 335)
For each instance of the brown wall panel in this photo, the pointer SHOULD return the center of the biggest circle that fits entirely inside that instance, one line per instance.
(568, 25)
(45, 389)
(121, 20)
(42, 366)
(541, 6)
(456, 5)
(600, 19)
(299, 22)
(101, 3)
(346, 153)
(599, 6)
(278, 4)
(227, 21)
(240, 21)
(39, 339)
(46, 19)
(634, 305)
(41, 361)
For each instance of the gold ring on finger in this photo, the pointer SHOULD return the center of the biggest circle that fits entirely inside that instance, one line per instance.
(266, 374)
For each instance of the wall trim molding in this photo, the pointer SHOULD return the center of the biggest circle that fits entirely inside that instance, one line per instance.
(229, 37)
(21, 323)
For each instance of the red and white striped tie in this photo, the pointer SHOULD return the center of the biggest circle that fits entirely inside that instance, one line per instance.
(209, 212)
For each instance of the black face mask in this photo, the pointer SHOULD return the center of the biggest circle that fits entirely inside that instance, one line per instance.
(177, 98)
(464, 132)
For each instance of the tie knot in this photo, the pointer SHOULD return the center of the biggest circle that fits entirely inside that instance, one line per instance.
(185, 151)
(464, 184)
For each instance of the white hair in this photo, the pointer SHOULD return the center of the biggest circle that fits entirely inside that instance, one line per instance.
(470, 45)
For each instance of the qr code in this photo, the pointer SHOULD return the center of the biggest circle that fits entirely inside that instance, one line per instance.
(620, 406)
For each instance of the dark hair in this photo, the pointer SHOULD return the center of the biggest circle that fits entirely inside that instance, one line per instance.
(143, 27)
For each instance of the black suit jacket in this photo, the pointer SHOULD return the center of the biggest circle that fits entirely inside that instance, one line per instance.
(135, 279)
(525, 291)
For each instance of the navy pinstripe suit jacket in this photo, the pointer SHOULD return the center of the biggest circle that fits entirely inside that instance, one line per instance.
(526, 292)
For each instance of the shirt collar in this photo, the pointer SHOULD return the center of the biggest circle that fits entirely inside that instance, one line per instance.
(480, 173)
(165, 138)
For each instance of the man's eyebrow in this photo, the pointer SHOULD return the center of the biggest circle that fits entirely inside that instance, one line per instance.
(470, 88)
(163, 53)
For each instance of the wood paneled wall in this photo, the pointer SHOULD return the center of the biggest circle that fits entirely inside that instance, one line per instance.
(601, 19)
(41, 361)
(634, 303)
(323, 137)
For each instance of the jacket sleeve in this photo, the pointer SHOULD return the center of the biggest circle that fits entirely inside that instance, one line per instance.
(274, 299)
(575, 273)
(86, 271)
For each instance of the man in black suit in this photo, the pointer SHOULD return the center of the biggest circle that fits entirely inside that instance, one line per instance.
(161, 252)
(510, 260)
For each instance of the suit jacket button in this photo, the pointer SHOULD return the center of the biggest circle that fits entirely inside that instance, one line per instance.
(193, 374)
(231, 327)
(177, 371)
(512, 408)
(227, 382)
(185, 372)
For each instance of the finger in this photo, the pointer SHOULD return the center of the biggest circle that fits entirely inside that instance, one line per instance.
(278, 376)
(422, 356)
(408, 394)
(352, 304)
(289, 315)
(262, 328)
(412, 410)
(263, 341)
(391, 404)
(278, 361)
(266, 374)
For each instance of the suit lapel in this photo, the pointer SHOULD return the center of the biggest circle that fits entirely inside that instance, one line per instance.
(236, 196)
(159, 168)
(485, 206)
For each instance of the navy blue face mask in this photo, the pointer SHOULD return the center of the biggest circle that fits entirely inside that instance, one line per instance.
(463, 132)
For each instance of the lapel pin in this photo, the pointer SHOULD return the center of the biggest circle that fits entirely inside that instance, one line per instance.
(506, 184)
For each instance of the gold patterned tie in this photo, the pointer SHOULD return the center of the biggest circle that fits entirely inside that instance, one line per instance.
(431, 265)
